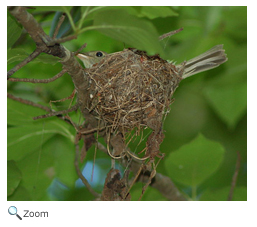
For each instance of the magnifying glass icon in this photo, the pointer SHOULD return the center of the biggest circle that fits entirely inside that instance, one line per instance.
(13, 211)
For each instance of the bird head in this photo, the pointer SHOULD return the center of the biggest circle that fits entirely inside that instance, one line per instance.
(91, 58)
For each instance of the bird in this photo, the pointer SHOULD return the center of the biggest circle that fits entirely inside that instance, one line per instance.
(210, 59)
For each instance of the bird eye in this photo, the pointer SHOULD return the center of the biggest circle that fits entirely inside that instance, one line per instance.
(99, 54)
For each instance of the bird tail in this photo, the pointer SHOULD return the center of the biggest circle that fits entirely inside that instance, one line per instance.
(208, 60)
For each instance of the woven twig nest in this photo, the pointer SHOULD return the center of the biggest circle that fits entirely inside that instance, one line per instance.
(129, 90)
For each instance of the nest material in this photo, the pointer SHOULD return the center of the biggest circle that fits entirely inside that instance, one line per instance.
(130, 90)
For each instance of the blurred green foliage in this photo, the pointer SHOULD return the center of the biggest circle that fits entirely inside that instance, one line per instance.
(206, 125)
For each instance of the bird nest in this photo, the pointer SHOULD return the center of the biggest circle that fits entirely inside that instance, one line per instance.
(129, 90)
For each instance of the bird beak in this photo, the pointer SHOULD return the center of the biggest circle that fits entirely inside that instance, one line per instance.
(82, 57)
(85, 59)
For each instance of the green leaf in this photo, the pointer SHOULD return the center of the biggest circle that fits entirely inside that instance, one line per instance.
(229, 101)
(20, 194)
(16, 55)
(13, 177)
(37, 173)
(88, 12)
(153, 12)
(21, 114)
(13, 31)
(236, 17)
(23, 140)
(195, 162)
(129, 29)
(64, 160)
(227, 92)
(239, 194)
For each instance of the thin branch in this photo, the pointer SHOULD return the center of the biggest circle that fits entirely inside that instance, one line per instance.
(27, 102)
(83, 179)
(62, 112)
(61, 40)
(234, 179)
(64, 99)
(135, 179)
(61, 19)
(170, 33)
(24, 62)
(80, 49)
(39, 80)
(90, 131)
